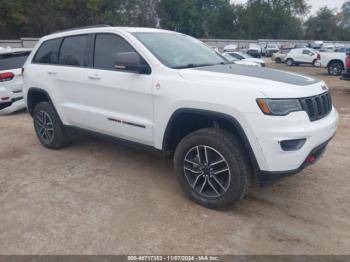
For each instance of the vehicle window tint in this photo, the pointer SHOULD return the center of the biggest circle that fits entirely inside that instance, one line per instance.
(106, 46)
(48, 52)
(306, 52)
(13, 60)
(74, 51)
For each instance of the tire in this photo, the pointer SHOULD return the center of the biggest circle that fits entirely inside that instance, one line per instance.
(290, 62)
(198, 180)
(278, 60)
(48, 127)
(335, 68)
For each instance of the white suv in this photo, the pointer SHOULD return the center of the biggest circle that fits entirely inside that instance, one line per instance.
(226, 124)
(301, 56)
(11, 83)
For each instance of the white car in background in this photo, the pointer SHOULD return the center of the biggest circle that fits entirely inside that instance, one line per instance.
(11, 82)
(239, 62)
(300, 56)
(333, 61)
(230, 48)
(247, 58)
(270, 49)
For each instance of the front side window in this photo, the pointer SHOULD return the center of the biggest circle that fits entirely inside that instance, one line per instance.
(306, 52)
(48, 52)
(74, 51)
(106, 47)
(178, 50)
(13, 60)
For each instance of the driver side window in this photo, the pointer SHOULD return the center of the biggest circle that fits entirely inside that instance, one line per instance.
(306, 52)
(106, 46)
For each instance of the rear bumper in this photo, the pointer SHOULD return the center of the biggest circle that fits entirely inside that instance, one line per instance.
(10, 102)
(346, 75)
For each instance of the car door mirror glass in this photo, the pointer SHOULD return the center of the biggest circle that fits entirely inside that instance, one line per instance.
(130, 61)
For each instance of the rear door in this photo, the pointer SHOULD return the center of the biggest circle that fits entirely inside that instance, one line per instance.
(119, 103)
(67, 79)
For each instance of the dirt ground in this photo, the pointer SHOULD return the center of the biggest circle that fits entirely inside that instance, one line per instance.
(100, 198)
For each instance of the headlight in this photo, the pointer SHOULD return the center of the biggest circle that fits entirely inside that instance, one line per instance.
(279, 107)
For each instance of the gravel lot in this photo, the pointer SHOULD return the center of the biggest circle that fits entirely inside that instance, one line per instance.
(100, 198)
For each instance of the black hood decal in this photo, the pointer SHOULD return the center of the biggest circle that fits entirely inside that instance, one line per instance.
(262, 73)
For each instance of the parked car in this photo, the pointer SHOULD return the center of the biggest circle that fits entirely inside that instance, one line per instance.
(11, 83)
(224, 124)
(245, 57)
(316, 44)
(270, 49)
(230, 48)
(333, 61)
(279, 57)
(239, 62)
(254, 53)
(301, 56)
(346, 72)
(254, 50)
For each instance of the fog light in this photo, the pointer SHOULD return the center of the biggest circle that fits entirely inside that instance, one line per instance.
(292, 145)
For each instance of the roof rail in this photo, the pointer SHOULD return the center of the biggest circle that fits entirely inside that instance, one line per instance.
(82, 27)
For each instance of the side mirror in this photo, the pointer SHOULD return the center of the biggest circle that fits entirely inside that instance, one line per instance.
(131, 62)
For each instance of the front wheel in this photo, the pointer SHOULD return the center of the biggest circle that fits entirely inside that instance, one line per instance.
(48, 126)
(213, 168)
(289, 62)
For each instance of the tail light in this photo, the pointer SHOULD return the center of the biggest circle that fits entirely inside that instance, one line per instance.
(7, 76)
(348, 62)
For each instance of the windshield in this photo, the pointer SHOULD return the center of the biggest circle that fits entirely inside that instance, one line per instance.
(180, 51)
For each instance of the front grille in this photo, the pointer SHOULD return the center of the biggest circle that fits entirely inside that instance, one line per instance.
(317, 107)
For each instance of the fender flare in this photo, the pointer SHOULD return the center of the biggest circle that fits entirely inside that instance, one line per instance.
(231, 119)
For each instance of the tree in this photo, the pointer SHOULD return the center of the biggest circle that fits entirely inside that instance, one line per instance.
(273, 19)
(324, 25)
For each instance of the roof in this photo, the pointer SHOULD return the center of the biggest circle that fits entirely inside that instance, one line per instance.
(104, 28)
(14, 50)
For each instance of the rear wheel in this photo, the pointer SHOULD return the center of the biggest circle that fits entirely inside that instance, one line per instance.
(335, 68)
(278, 60)
(289, 62)
(48, 126)
(213, 168)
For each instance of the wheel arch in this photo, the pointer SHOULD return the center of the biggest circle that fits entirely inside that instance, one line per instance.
(206, 119)
(36, 96)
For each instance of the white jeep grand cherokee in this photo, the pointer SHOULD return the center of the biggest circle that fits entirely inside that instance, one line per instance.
(226, 124)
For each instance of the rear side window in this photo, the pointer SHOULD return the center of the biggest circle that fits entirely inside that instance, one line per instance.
(13, 60)
(306, 52)
(74, 51)
(48, 52)
(106, 46)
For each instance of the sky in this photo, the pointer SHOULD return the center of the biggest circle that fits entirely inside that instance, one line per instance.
(316, 4)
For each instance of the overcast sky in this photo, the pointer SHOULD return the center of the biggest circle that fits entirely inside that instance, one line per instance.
(316, 4)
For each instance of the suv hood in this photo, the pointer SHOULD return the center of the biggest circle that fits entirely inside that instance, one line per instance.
(271, 82)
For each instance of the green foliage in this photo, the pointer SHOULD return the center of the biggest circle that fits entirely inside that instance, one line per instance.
(324, 25)
(199, 18)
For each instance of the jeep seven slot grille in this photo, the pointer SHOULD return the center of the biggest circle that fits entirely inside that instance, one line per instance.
(317, 107)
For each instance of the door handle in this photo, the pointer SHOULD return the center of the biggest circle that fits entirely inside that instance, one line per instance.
(94, 77)
(52, 72)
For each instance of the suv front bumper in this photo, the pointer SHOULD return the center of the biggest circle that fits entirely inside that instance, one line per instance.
(273, 162)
